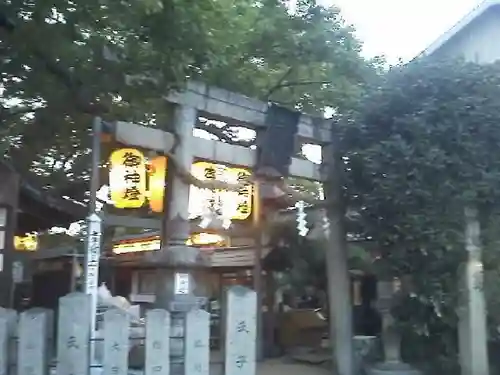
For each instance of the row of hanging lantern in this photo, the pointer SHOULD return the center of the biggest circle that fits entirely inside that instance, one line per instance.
(135, 180)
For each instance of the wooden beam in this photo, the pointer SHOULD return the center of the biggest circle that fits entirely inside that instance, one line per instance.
(251, 112)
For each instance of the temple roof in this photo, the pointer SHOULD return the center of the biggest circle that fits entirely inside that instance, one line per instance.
(39, 210)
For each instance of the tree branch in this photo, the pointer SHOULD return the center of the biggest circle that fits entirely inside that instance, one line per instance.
(279, 84)
(303, 83)
(219, 133)
(6, 113)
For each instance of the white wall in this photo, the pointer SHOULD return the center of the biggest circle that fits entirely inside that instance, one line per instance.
(478, 42)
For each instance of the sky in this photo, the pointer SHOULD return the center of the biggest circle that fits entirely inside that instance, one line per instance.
(400, 28)
(396, 29)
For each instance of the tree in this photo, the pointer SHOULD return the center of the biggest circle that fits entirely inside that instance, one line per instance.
(63, 63)
(421, 148)
(121, 66)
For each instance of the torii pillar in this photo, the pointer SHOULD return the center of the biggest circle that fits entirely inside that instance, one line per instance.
(175, 290)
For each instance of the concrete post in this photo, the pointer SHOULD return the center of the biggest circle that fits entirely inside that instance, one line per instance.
(472, 312)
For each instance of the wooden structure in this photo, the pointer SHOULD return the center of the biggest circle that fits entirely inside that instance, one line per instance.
(26, 209)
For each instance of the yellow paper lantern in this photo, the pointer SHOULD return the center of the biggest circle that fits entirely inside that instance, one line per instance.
(243, 197)
(157, 174)
(28, 242)
(237, 203)
(127, 178)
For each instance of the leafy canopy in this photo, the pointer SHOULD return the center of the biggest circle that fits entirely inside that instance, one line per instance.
(66, 61)
(423, 146)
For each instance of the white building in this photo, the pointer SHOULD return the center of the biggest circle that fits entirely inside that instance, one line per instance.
(476, 37)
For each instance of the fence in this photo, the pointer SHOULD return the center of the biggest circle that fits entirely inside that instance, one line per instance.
(27, 345)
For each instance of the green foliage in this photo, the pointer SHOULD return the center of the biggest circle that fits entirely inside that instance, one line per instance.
(307, 60)
(302, 259)
(65, 62)
(422, 147)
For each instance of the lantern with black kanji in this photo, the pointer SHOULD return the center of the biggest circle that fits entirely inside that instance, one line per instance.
(127, 178)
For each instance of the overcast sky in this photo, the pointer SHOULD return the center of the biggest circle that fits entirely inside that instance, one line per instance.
(401, 28)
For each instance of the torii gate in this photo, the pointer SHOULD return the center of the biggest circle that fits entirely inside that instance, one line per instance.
(196, 100)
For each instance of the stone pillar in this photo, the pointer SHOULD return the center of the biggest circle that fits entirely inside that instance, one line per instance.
(175, 288)
(472, 312)
(391, 339)
(177, 262)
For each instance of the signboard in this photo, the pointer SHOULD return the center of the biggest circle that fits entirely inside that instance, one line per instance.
(234, 205)
(127, 178)
(181, 283)
(137, 245)
(93, 253)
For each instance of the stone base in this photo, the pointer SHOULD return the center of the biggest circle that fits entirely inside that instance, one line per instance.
(388, 368)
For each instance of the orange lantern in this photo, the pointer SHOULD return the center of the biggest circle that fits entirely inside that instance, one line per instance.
(157, 174)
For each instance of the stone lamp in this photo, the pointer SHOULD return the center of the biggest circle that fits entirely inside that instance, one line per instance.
(391, 339)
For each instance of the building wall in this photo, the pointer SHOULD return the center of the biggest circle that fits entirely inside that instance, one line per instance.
(479, 42)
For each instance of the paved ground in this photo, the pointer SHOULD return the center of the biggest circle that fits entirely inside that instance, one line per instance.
(279, 367)
(269, 367)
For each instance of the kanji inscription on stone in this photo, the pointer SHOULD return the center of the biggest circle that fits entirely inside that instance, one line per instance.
(241, 331)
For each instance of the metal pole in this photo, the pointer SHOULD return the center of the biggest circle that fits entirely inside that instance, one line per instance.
(94, 232)
(257, 268)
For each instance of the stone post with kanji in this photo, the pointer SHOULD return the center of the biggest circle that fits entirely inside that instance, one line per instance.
(241, 331)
